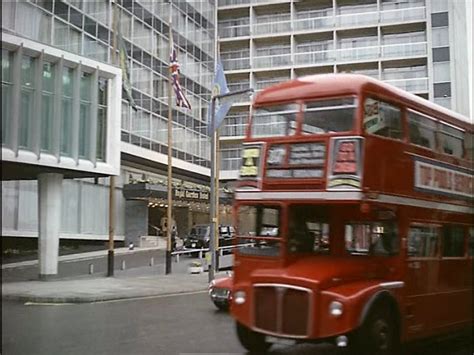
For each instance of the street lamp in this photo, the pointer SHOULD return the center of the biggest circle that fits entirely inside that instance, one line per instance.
(229, 97)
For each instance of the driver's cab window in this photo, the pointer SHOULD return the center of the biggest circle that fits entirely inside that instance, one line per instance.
(308, 230)
(372, 238)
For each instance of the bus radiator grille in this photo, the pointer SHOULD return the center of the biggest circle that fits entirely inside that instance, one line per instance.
(282, 310)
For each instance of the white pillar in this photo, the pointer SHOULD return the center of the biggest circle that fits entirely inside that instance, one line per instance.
(49, 210)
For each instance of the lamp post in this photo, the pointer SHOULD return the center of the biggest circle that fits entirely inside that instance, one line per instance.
(230, 96)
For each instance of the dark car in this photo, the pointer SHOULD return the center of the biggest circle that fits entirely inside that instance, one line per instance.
(199, 236)
(220, 291)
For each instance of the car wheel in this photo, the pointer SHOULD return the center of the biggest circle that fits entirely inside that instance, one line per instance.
(252, 341)
(378, 335)
(224, 307)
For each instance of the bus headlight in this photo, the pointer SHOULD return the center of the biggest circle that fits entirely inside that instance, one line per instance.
(240, 297)
(336, 308)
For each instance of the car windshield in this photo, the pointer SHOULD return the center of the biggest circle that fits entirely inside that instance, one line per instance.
(259, 230)
(199, 231)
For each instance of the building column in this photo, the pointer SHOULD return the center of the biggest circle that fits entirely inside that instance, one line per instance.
(49, 213)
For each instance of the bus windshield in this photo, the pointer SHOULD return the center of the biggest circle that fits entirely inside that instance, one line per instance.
(274, 121)
(259, 227)
(328, 116)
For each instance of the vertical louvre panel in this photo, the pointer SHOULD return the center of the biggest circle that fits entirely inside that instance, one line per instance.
(295, 312)
(266, 308)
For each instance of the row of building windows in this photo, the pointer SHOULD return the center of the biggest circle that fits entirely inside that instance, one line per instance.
(48, 94)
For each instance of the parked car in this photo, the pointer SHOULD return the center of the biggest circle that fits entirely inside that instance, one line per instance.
(199, 236)
(220, 291)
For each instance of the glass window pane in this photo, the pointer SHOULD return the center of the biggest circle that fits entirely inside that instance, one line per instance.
(66, 117)
(422, 130)
(47, 107)
(277, 120)
(382, 119)
(85, 115)
(453, 241)
(7, 61)
(27, 100)
(422, 241)
(451, 140)
(329, 116)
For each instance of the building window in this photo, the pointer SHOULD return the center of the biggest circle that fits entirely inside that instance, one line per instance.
(66, 117)
(47, 107)
(7, 63)
(442, 90)
(441, 54)
(440, 19)
(453, 241)
(27, 101)
(85, 115)
(102, 119)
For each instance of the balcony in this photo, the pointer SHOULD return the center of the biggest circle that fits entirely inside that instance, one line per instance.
(271, 27)
(355, 54)
(234, 31)
(236, 63)
(272, 61)
(404, 50)
(233, 2)
(238, 86)
(312, 24)
(414, 85)
(358, 19)
(311, 58)
(403, 15)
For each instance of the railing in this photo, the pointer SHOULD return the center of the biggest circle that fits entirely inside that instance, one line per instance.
(234, 31)
(316, 23)
(233, 2)
(404, 50)
(238, 86)
(360, 19)
(201, 252)
(315, 57)
(272, 61)
(271, 27)
(359, 53)
(236, 63)
(401, 15)
(411, 85)
(233, 130)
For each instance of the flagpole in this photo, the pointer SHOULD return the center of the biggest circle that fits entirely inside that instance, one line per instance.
(170, 153)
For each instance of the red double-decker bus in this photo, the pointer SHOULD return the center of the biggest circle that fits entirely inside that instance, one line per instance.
(358, 199)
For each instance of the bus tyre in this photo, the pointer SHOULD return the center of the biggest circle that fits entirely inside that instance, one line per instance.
(378, 335)
(252, 341)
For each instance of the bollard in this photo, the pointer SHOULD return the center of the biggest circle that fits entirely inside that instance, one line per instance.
(152, 261)
(200, 254)
(91, 269)
(123, 265)
(177, 258)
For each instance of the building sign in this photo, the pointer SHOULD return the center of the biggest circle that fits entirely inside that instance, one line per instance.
(345, 166)
(250, 168)
(297, 161)
(443, 179)
(193, 195)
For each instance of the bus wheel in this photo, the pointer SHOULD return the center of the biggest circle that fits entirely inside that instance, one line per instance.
(252, 341)
(378, 335)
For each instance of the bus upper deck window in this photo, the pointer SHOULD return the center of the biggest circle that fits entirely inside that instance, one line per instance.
(451, 140)
(272, 121)
(326, 116)
(382, 119)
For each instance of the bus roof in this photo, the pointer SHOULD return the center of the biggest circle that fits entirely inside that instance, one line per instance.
(330, 85)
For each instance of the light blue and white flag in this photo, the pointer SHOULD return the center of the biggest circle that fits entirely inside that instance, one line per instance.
(221, 108)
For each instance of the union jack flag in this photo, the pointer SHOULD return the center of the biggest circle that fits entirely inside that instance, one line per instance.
(181, 100)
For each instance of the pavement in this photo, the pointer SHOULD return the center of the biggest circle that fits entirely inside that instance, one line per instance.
(139, 282)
